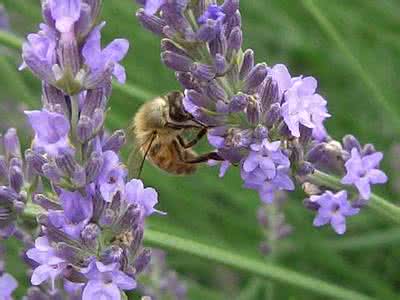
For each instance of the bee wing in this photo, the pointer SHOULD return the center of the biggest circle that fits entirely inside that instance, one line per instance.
(138, 155)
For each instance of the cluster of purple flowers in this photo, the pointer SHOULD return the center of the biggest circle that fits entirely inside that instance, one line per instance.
(159, 282)
(260, 117)
(91, 218)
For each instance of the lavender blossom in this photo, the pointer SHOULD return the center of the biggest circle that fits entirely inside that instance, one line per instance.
(261, 118)
(333, 209)
(91, 218)
(362, 171)
(51, 131)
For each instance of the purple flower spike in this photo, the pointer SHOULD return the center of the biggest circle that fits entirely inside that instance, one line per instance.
(333, 209)
(7, 286)
(51, 131)
(99, 60)
(362, 171)
(105, 281)
(50, 265)
(65, 13)
(146, 198)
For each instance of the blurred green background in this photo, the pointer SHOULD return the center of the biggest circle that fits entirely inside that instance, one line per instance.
(353, 48)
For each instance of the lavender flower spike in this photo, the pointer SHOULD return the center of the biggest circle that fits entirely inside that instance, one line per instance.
(260, 118)
(362, 171)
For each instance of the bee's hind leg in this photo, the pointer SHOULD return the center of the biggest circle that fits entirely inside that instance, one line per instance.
(204, 158)
(193, 142)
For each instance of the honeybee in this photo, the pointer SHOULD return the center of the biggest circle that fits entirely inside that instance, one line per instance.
(158, 129)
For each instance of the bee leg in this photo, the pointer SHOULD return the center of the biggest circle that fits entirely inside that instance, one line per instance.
(193, 142)
(181, 126)
(204, 158)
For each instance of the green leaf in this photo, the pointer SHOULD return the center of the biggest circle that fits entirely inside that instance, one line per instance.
(253, 266)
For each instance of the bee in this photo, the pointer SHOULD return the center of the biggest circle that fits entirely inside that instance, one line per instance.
(158, 130)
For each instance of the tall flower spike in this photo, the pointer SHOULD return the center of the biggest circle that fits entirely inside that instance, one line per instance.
(260, 117)
(91, 218)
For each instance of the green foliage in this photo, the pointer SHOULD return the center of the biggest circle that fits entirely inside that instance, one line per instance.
(352, 47)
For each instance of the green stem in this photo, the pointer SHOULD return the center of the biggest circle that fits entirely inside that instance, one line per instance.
(10, 40)
(254, 266)
(377, 203)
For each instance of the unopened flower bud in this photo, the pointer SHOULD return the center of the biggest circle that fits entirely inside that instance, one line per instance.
(203, 71)
(35, 160)
(176, 61)
(238, 103)
(12, 146)
(350, 142)
(16, 178)
(152, 23)
(84, 129)
(255, 77)
(248, 63)
(115, 141)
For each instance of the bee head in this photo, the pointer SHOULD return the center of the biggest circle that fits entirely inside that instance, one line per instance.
(176, 111)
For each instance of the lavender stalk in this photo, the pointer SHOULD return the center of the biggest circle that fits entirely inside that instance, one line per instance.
(261, 118)
(91, 220)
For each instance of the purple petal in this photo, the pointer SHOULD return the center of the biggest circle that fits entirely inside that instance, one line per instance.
(116, 50)
(338, 223)
(65, 13)
(363, 187)
(321, 220)
(100, 290)
(124, 281)
(372, 160)
(152, 6)
(7, 285)
(377, 176)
